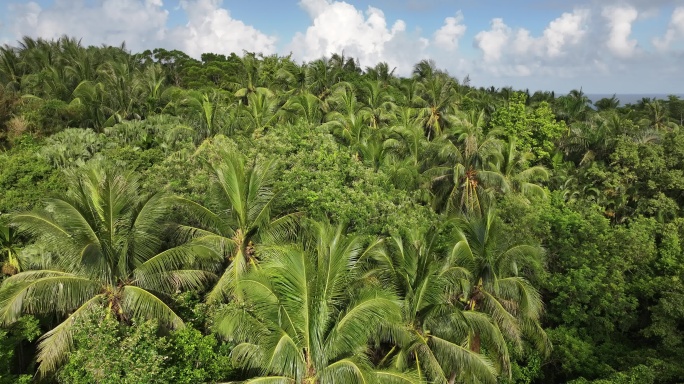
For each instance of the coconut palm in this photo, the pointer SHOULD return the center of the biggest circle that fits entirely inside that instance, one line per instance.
(378, 102)
(518, 176)
(349, 119)
(497, 282)
(249, 79)
(237, 217)
(208, 109)
(105, 244)
(260, 113)
(438, 93)
(435, 332)
(407, 134)
(658, 118)
(304, 319)
(9, 248)
(305, 106)
(467, 173)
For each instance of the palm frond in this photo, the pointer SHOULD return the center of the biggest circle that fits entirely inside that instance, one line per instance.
(53, 293)
(139, 303)
(455, 358)
(54, 345)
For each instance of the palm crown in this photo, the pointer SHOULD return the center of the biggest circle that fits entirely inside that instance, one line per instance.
(105, 240)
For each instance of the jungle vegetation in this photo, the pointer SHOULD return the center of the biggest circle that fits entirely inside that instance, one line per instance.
(248, 218)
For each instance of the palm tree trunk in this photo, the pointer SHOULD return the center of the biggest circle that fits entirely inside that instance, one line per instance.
(475, 343)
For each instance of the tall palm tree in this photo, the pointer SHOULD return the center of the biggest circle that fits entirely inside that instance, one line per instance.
(10, 68)
(321, 77)
(435, 331)
(260, 113)
(249, 77)
(518, 176)
(466, 173)
(658, 117)
(105, 240)
(237, 217)
(378, 102)
(438, 95)
(349, 119)
(305, 321)
(305, 106)
(9, 244)
(497, 282)
(208, 109)
(149, 86)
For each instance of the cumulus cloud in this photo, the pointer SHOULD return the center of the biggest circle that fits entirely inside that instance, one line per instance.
(492, 42)
(620, 19)
(210, 28)
(675, 30)
(339, 27)
(142, 24)
(500, 40)
(137, 22)
(448, 35)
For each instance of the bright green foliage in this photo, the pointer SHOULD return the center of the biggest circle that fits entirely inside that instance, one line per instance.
(25, 179)
(305, 320)
(237, 216)
(536, 130)
(434, 337)
(12, 360)
(106, 249)
(325, 181)
(106, 351)
(600, 189)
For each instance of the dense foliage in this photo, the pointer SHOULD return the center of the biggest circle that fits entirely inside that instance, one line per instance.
(252, 219)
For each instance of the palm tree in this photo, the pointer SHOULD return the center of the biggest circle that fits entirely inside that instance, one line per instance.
(407, 133)
(658, 118)
(149, 85)
(378, 102)
(10, 68)
(304, 319)
(305, 106)
(321, 77)
(438, 95)
(607, 103)
(208, 110)
(9, 248)
(574, 106)
(497, 283)
(237, 217)
(104, 237)
(248, 80)
(381, 72)
(467, 173)
(260, 113)
(518, 176)
(349, 119)
(435, 331)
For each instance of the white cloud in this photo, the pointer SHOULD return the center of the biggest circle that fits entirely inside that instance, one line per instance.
(569, 29)
(142, 24)
(566, 31)
(620, 19)
(210, 28)
(339, 27)
(492, 42)
(675, 30)
(137, 22)
(448, 35)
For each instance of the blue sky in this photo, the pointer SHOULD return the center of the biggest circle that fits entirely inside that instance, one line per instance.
(608, 46)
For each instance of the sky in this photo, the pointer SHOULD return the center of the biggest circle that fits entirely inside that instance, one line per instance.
(600, 46)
